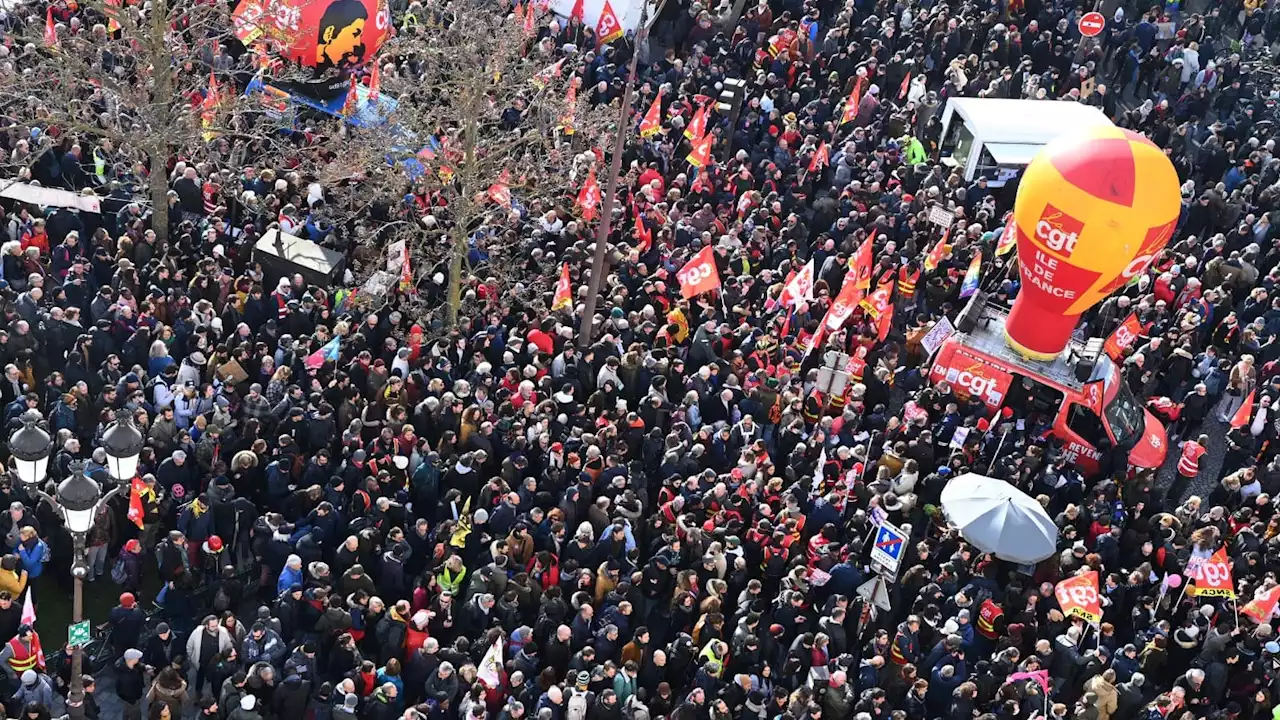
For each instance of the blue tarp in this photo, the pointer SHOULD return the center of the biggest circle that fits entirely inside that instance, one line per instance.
(368, 114)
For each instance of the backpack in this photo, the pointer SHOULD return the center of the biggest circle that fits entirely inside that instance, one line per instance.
(577, 707)
(151, 389)
(119, 574)
(221, 600)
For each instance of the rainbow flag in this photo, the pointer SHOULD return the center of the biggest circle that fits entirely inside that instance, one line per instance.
(318, 358)
(972, 277)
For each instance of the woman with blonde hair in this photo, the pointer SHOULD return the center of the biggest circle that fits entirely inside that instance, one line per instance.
(278, 385)
(1240, 382)
(1204, 542)
(32, 551)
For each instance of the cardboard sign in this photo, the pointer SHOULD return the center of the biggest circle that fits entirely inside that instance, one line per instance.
(231, 373)
(941, 216)
(395, 255)
(937, 334)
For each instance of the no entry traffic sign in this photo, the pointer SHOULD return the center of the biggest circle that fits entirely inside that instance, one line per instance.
(1091, 24)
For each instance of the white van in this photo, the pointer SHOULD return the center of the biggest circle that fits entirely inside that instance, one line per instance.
(996, 138)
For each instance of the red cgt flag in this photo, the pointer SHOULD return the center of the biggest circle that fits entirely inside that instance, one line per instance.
(1261, 608)
(842, 307)
(1212, 578)
(700, 155)
(851, 104)
(564, 291)
(861, 263)
(577, 13)
(608, 28)
(1078, 596)
(351, 105)
(500, 190)
(906, 85)
(821, 158)
(112, 11)
(375, 81)
(570, 109)
(652, 123)
(589, 197)
(1123, 336)
(934, 258)
(1244, 412)
(699, 275)
(1093, 394)
(530, 19)
(698, 125)
(879, 307)
(136, 510)
(50, 29)
(544, 76)
(644, 236)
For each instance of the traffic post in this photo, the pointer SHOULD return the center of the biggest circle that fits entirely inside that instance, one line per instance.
(889, 547)
(1090, 25)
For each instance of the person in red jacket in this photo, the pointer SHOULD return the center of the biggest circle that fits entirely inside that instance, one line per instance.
(415, 634)
(1188, 467)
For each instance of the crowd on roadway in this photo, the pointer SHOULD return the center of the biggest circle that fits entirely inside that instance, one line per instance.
(634, 525)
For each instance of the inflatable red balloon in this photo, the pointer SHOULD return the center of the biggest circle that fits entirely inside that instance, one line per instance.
(1094, 208)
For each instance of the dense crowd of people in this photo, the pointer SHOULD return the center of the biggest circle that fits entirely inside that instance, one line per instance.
(634, 526)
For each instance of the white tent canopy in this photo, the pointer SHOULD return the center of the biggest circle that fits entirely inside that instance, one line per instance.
(48, 197)
(628, 11)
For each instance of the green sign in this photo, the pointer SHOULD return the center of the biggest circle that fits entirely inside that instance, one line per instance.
(78, 634)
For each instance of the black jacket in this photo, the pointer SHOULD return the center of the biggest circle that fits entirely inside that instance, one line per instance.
(159, 653)
(131, 683)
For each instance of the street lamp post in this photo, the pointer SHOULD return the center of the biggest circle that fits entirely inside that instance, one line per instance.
(78, 496)
(30, 447)
(123, 443)
(78, 499)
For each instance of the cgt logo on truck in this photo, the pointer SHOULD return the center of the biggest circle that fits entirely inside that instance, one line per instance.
(974, 382)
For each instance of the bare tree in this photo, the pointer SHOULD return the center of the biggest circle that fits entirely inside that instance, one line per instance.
(506, 129)
(490, 127)
(139, 87)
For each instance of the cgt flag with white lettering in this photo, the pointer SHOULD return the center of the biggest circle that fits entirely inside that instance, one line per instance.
(699, 275)
(1212, 578)
(1078, 596)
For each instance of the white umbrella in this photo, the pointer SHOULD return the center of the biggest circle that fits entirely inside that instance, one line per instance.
(999, 518)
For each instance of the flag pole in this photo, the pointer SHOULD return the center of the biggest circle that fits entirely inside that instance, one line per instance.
(1185, 581)
(996, 456)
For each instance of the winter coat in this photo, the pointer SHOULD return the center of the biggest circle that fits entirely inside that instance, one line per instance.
(269, 648)
(175, 698)
(1108, 698)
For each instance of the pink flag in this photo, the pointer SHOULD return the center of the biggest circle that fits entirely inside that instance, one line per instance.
(1040, 676)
